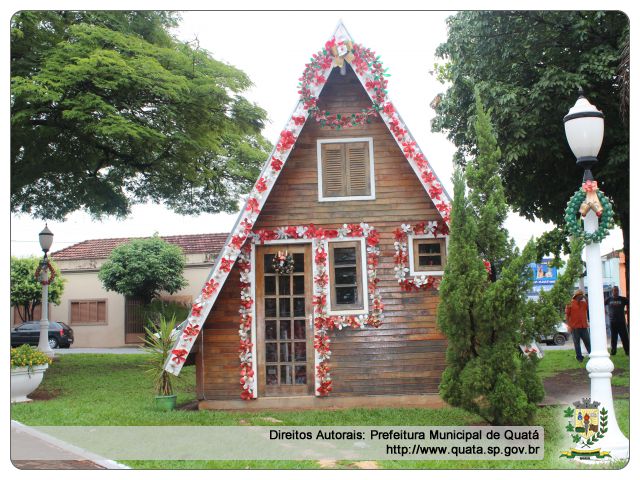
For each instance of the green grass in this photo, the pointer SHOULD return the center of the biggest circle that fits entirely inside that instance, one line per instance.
(89, 389)
(556, 361)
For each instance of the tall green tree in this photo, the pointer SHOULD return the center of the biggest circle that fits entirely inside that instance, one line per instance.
(486, 315)
(26, 290)
(528, 65)
(109, 110)
(144, 268)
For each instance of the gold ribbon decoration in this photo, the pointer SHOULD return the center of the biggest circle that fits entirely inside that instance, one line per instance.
(342, 52)
(592, 202)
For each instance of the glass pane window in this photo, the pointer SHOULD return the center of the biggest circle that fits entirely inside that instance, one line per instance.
(428, 254)
(345, 263)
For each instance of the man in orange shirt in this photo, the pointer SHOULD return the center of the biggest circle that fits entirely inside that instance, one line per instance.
(577, 323)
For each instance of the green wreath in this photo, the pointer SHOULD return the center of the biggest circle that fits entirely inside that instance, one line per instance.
(571, 216)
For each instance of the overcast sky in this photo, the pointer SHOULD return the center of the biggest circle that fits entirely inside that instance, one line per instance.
(272, 48)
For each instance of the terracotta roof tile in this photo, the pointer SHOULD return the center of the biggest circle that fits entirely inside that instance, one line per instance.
(102, 247)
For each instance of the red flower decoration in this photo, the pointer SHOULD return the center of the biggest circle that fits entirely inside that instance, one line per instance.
(276, 164)
(261, 185)
(226, 264)
(435, 191)
(299, 120)
(210, 288)
(428, 176)
(253, 205)
(179, 355)
(409, 148)
(196, 310)
(287, 139)
(237, 241)
(388, 109)
(321, 256)
(191, 330)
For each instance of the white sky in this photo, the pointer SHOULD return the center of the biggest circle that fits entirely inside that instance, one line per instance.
(272, 48)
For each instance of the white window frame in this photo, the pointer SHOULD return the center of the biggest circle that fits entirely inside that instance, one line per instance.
(372, 175)
(365, 285)
(410, 238)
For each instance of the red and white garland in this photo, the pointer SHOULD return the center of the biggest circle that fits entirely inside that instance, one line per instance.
(369, 70)
(247, 375)
(322, 321)
(401, 257)
(46, 266)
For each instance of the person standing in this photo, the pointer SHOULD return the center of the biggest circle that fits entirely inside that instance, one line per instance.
(577, 323)
(616, 306)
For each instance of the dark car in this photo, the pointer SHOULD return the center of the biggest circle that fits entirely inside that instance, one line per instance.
(60, 334)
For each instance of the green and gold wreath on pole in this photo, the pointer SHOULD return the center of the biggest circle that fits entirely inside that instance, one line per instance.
(589, 197)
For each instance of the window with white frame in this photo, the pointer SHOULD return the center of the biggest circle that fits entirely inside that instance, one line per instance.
(428, 254)
(345, 169)
(347, 277)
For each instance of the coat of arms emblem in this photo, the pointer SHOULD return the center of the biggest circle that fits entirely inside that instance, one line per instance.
(587, 425)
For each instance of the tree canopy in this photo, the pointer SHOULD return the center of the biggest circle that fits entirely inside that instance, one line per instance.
(144, 268)
(528, 66)
(485, 313)
(109, 110)
(26, 290)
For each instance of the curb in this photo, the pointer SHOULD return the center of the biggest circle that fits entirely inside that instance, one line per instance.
(80, 452)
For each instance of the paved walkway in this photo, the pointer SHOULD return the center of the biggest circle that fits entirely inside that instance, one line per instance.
(122, 350)
(34, 450)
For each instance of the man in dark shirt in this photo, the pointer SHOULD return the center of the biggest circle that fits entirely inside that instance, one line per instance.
(616, 306)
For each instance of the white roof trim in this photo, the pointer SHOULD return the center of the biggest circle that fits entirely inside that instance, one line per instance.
(257, 198)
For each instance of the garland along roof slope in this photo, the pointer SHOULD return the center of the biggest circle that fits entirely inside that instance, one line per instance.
(369, 71)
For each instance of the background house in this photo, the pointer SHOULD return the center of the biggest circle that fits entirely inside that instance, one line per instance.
(107, 319)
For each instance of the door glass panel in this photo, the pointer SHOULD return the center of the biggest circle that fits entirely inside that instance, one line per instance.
(285, 352)
(298, 284)
(301, 374)
(286, 377)
(270, 330)
(271, 352)
(298, 260)
(285, 330)
(283, 285)
(269, 285)
(300, 351)
(426, 260)
(272, 375)
(285, 307)
(298, 307)
(269, 307)
(268, 263)
(299, 329)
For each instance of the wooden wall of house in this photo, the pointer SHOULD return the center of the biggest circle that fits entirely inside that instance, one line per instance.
(406, 354)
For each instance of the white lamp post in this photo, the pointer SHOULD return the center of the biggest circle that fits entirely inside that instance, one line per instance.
(584, 128)
(46, 239)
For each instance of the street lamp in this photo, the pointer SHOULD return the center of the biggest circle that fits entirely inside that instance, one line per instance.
(584, 128)
(46, 239)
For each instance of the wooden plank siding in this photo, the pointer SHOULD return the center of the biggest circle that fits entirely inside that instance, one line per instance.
(406, 354)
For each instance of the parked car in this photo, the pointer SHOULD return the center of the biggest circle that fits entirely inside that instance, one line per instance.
(60, 334)
(558, 337)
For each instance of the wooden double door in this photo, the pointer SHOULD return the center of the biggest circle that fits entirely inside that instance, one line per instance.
(284, 323)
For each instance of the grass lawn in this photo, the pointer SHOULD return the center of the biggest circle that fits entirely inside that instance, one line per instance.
(88, 389)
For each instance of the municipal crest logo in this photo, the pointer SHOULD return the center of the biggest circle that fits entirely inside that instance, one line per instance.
(587, 424)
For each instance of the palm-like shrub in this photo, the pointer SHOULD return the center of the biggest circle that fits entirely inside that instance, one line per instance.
(157, 344)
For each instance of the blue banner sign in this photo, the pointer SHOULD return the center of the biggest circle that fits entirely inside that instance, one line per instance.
(543, 273)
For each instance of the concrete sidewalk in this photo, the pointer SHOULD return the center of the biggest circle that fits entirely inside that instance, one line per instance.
(119, 351)
(34, 450)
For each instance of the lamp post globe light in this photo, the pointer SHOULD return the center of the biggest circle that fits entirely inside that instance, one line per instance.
(46, 239)
(584, 128)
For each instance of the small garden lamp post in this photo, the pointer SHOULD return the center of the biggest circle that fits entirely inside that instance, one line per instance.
(46, 239)
(584, 128)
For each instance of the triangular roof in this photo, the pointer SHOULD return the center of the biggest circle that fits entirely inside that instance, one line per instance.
(369, 71)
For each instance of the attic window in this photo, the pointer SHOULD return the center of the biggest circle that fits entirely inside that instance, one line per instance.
(345, 169)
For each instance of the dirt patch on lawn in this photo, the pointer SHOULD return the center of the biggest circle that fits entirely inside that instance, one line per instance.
(565, 388)
(44, 394)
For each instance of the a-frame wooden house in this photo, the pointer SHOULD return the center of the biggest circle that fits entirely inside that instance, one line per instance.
(326, 291)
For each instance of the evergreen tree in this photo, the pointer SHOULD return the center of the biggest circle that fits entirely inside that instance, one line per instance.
(485, 312)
